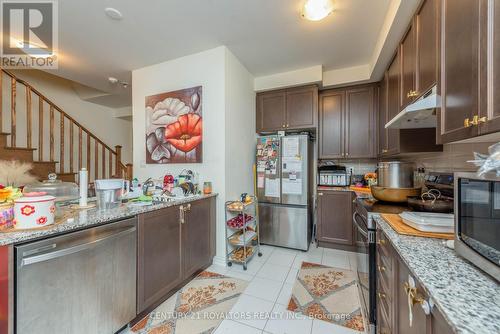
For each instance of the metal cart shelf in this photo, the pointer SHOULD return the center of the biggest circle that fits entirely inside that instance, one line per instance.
(250, 244)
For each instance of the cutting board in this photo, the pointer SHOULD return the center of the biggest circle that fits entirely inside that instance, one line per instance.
(399, 226)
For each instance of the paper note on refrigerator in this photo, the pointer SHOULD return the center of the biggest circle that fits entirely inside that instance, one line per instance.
(291, 165)
(291, 186)
(290, 146)
(260, 181)
(272, 188)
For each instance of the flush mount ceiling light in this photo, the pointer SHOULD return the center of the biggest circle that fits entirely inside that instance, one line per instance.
(315, 10)
(113, 13)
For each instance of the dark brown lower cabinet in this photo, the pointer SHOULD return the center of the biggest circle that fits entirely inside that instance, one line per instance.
(335, 227)
(393, 284)
(172, 245)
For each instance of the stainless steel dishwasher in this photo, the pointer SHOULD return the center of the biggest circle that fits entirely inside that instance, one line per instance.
(82, 282)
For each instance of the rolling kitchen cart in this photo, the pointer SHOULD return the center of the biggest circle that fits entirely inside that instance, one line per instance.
(242, 221)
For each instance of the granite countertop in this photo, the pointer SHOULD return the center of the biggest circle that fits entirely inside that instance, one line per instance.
(92, 217)
(468, 298)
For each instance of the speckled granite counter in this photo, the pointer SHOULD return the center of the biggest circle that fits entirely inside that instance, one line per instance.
(92, 217)
(468, 298)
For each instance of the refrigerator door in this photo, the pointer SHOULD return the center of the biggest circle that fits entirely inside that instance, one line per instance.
(294, 170)
(269, 169)
(285, 226)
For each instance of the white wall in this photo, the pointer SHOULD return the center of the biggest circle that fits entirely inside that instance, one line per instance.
(228, 107)
(98, 119)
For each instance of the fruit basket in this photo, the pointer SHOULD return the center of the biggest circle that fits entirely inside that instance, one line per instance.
(243, 223)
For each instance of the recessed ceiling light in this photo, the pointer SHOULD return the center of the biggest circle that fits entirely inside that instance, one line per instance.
(113, 13)
(315, 10)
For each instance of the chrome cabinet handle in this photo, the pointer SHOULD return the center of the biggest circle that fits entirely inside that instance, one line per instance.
(381, 268)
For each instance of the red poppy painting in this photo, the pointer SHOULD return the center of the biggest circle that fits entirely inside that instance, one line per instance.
(174, 127)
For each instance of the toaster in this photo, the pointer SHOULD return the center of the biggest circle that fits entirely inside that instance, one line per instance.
(333, 176)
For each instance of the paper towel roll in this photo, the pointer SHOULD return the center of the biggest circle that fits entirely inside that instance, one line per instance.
(83, 178)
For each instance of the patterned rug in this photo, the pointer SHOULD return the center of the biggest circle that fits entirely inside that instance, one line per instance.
(328, 294)
(198, 308)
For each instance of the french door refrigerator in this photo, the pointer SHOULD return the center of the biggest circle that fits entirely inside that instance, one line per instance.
(284, 190)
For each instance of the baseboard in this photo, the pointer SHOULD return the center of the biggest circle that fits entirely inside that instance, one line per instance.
(220, 261)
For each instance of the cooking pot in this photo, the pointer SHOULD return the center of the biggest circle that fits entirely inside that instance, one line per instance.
(431, 201)
(395, 174)
(396, 195)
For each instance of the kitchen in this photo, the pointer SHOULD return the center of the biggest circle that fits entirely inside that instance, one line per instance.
(250, 188)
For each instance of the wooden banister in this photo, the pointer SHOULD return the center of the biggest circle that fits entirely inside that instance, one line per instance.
(66, 147)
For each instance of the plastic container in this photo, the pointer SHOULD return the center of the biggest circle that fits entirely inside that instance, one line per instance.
(34, 211)
(110, 192)
(429, 222)
(62, 191)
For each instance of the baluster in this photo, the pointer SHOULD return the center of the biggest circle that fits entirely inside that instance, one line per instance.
(71, 147)
(130, 172)
(96, 159)
(13, 112)
(110, 167)
(118, 170)
(40, 128)
(51, 132)
(103, 163)
(28, 117)
(61, 152)
(80, 162)
(88, 152)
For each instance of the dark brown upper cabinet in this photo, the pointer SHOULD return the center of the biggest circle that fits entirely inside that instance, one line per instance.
(460, 69)
(331, 124)
(335, 223)
(408, 68)
(427, 28)
(360, 122)
(287, 109)
(488, 119)
(382, 116)
(347, 124)
(393, 103)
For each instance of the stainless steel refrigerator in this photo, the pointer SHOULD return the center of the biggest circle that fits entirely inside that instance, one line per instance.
(284, 190)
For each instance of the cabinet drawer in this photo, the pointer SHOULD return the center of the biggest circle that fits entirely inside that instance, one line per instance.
(384, 249)
(384, 302)
(385, 272)
(383, 325)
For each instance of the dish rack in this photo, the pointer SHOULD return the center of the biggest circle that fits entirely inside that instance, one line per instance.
(242, 232)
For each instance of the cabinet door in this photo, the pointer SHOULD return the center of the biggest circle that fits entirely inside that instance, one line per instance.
(335, 217)
(492, 114)
(271, 111)
(331, 124)
(159, 256)
(459, 69)
(382, 116)
(419, 323)
(427, 46)
(302, 108)
(408, 67)
(393, 103)
(196, 237)
(361, 130)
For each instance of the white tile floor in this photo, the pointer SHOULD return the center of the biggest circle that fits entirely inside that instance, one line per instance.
(271, 278)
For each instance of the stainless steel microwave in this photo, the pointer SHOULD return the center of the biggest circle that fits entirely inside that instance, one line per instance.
(477, 221)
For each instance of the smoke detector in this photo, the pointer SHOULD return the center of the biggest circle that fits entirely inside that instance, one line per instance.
(113, 13)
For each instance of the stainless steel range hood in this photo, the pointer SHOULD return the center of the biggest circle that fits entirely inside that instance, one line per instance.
(419, 114)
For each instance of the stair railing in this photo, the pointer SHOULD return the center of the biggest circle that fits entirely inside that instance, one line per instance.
(103, 162)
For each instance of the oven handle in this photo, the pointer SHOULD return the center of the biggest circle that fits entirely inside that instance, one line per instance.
(360, 230)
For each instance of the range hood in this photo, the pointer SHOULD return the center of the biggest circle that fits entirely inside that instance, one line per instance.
(419, 114)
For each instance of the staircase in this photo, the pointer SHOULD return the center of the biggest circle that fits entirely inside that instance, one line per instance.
(52, 140)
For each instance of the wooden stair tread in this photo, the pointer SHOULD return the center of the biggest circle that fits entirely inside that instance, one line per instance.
(18, 148)
(45, 162)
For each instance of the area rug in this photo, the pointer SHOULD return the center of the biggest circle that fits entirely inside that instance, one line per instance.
(328, 294)
(197, 308)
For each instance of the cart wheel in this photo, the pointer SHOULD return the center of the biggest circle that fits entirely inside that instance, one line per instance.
(259, 254)
(244, 267)
(229, 264)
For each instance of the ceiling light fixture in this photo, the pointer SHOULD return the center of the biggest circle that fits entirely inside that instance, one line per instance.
(113, 13)
(316, 10)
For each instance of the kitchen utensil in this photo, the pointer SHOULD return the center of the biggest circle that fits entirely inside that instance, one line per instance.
(429, 222)
(400, 227)
(62, 191)
(83, 179)
(431, 201)
(33, 211)
(397, 195)
(395, 174)
(110, 192)
(207, 188)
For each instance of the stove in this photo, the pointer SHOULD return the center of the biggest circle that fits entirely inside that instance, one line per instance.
(365, 227)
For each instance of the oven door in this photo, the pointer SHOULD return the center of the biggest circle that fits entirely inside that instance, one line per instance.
(365, 265)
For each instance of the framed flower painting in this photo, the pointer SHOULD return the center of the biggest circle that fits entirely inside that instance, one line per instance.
(174, 127)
